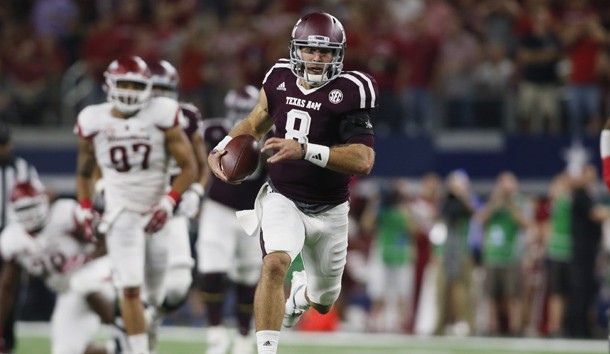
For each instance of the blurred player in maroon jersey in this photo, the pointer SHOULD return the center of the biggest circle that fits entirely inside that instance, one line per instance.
(224, 250)
(323, 136)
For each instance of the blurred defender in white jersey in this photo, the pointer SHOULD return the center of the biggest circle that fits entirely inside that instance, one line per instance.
(131, 138)
(178, 277)
(44, 241)
(225, 251)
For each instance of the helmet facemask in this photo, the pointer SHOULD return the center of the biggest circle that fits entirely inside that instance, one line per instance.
(32, 211)
(128, 100)
(329, 70)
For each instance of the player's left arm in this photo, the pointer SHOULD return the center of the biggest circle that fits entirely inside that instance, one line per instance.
(85, 167)
(181, 149)
(200, 156)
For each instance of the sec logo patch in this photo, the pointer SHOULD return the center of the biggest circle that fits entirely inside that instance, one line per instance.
(335, 96)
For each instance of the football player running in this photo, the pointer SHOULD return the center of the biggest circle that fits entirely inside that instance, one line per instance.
(131, 138)
(43, 241)
(225, 251)
(323, 136)
(178, 277)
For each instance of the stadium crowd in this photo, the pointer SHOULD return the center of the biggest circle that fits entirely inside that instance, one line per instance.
(529, 66)
(517, 65)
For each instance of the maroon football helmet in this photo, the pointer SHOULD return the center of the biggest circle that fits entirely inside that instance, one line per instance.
(164, 79)
(129, 69)
(30, 204)
(318, 30)
(239, 102)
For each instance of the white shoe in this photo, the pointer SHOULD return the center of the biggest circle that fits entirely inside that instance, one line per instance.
(153, 321)
(218, 340)
(243, 345)
(292, 313)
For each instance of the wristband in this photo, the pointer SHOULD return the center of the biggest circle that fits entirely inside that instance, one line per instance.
(302, 151)
(197, 188)
(86, 203)
(175, 196)
(317, 154)
(222, 144)
(604, 143)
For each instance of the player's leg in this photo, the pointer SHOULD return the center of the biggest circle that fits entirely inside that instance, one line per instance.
(155, 270)
(283, 235)
(73, 324)
(126, 248)
(216, 249)
(178, 277)
(324, 256)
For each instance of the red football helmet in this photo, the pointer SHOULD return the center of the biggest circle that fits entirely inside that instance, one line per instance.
(164, 79)
(30, 204)
(128, 70)
(319, 30)
(240, 102)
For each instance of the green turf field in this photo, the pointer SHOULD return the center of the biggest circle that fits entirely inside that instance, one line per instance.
(190, 341)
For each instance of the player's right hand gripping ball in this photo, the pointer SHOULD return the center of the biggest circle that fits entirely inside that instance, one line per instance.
(241, 159)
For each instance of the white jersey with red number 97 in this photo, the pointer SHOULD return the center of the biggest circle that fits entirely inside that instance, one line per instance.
(131, 152)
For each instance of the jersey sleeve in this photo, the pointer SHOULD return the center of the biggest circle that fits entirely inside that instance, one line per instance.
(167, 112)
(86, 126)
(363, 92)
(11, 240)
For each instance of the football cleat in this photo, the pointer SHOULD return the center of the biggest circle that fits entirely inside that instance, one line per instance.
(292, 312)
(218, 340)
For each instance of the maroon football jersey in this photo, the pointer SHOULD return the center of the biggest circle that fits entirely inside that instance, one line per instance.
(315, 116)
(192, 118)
(190, 123)
(238, 197)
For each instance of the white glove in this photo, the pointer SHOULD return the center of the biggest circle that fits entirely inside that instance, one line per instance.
(191, 201)
(84, 216)
(161, 212)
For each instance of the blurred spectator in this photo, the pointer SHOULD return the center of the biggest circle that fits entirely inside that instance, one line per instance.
(582, 35)
(420, 53)
(459, 55)
(505, 219)
(558, 251)
(390, 283)
(538, 56)
(424, 208)
(454, 257)
(587, 214)
(494, 78)
(58, 21)
(384, 63)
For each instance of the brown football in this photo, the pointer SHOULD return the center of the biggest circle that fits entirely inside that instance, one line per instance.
(241, 159)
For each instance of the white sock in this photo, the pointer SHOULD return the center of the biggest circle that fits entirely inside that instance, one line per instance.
(267, 341)
(138, 343)
(111, 347)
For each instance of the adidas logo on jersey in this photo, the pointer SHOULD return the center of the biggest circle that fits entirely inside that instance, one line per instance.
(281, 87)
(317, 157)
